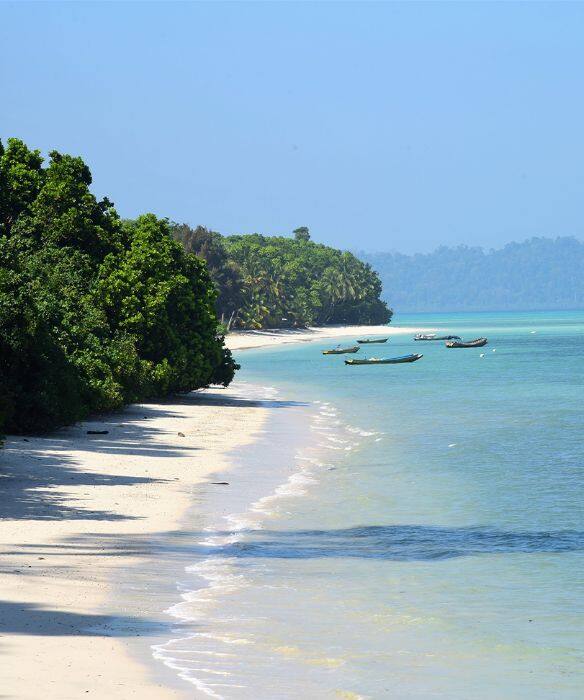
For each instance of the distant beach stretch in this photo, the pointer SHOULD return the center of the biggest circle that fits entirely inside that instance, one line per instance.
(244, 340)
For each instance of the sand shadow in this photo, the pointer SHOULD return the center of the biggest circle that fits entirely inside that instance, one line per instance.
(215, 399)
(28, 488)
(33, 467)
(36, 471)
(32, 619)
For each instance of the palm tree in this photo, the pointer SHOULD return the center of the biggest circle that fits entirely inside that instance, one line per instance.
(331, 285)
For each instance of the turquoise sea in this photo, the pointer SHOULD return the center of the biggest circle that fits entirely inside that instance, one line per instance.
(401, 531)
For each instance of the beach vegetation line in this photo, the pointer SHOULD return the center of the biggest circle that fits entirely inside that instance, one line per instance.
(95, 312)
(280, 281)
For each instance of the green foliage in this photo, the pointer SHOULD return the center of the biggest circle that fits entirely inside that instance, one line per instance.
(224, 272)
(302, 233)
(540, 273)
(93, 312)
(163, 298)
(39, 385)
(268, 282)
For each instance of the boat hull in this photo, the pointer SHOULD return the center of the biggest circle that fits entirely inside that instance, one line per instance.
(478, 343)
(387, 361)
(436, 337)
(370, 342)
(341, 351)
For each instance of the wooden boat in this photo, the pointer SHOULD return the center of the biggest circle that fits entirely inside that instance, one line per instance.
(368, 341)
(478, 343)
(433, 336)
(341, 351)
(385, 360)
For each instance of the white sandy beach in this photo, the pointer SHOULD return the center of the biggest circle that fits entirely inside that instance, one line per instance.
(240, 340)
(66, 497)
(63, 493)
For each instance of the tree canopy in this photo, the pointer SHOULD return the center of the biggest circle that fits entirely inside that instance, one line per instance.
(94, 312)
(269, 282)
(302, 233)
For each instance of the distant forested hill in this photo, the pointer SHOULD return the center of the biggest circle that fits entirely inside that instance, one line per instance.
(275, 281)
(540, 273)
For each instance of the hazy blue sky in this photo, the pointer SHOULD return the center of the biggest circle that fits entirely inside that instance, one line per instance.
(381, 126)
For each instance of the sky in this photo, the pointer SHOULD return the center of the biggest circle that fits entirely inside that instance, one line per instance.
(381, 126)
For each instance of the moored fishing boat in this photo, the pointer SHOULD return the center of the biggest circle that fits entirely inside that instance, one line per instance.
(368, 341)
(341, 351)
(478, 343)
(434, 336)
(385, 360)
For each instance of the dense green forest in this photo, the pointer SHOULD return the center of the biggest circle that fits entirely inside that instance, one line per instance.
(273, 281)
(540, 273)
(94, 312)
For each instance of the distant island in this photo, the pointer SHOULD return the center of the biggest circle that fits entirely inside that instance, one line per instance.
(537, 274)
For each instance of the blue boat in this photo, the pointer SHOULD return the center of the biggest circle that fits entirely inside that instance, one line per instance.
(385, 360)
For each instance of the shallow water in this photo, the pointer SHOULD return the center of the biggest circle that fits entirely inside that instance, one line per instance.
(416, 531)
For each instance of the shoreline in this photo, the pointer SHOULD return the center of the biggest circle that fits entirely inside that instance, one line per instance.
(259, 474)
(247, 340)
(80, 510)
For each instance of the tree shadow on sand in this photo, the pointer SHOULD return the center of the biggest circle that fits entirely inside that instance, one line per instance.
(30, 481)
(216, 399)
(31, 619)
(33, 468)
